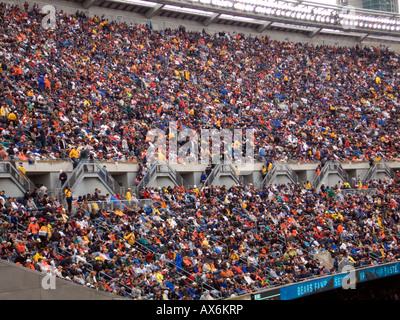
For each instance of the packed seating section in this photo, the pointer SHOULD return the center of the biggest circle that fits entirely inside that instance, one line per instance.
(98, 86)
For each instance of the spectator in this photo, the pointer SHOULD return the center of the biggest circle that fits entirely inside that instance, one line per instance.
(74, 156)
(128, 196)
(104, 174)
(22, 171)
(62, 177)
(68, 197)
(3, 153)
(42, 191)
(203, 177)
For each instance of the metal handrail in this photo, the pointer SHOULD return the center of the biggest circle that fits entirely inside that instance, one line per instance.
(230, 169)
(176, 177)
(19, 226)
(274, 171)
(268, 176)
(103, 275)
(291, 174)
(389, 171)
(342, 173)
(317, 180)
(120, 204)
(84, 166)
(370, 173)
(73, 177)
(212, 175)
(23, 180)
(224, 168)
(330, 166)
(360, 191)
(147, 177)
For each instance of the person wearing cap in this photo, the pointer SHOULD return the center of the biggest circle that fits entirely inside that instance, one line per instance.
(33, 228)
(28, 264)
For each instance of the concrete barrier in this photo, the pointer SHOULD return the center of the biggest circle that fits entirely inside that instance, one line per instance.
(20, 283)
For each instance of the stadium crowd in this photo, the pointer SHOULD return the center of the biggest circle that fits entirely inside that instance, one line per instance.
(206, 243)
(96, 87)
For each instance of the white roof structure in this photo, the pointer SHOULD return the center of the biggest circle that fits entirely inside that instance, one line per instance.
(284, 15)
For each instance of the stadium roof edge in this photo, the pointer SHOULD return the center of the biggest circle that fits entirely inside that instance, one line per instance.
(386, 24)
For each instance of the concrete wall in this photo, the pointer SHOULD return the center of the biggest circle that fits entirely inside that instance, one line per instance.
(10, 187)
(20, 283)
(88, 185)
(332, 180)
(282, 179)
(47, 172)
(226, 181)
(161, 182)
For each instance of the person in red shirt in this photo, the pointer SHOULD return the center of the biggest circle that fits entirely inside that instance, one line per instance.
(21, 247)
(33, 228)
(29, 265)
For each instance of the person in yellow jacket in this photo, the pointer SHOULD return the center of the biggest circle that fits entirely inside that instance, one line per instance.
(74, 153)
(263, 171)
(160, 155)
(130, 238)
(159, 276)
(38, 255)
(68, 196)
(74, 156)
(128, 196)
(21, 169)
(43, 234)
(4, 112)
(234, 256)
(12, 116)
(22, 172)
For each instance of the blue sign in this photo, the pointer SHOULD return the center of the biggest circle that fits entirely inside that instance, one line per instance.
(333, 282)
(379, 272)
(308, 287)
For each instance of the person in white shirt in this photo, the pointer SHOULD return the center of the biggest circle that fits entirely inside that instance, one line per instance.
(58, 272)
(80, 258)
(42, 190)
(251, 259)
(248, 279)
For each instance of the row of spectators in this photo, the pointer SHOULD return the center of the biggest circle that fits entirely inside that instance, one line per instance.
(93, 88)
(98, 86)
(206, 243)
